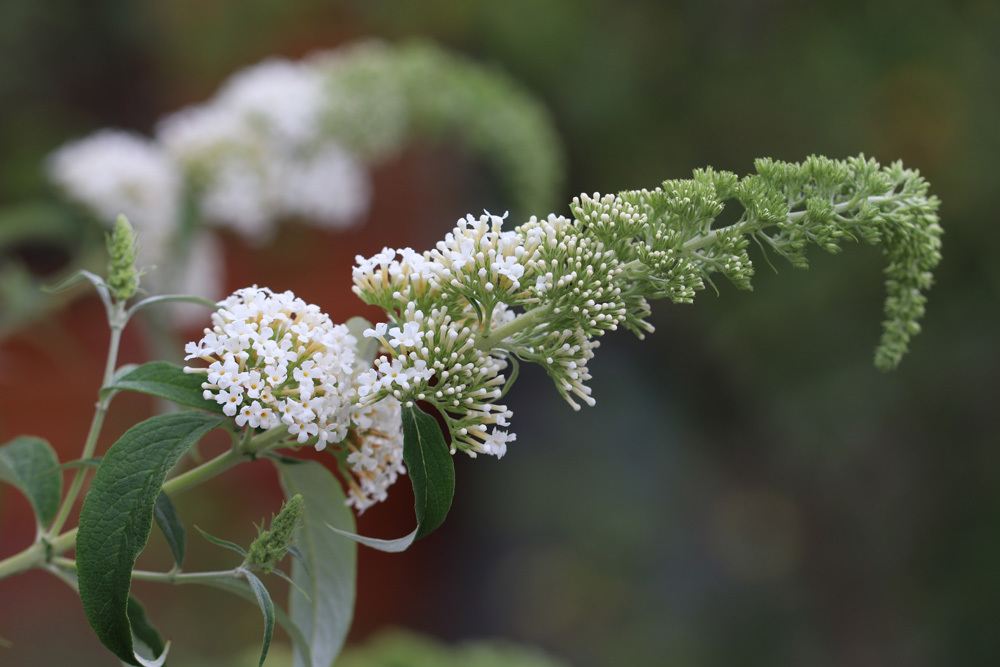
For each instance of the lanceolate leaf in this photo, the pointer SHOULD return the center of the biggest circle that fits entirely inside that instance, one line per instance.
(219, 542)
(117, 516)
(170, 525)
(432, 474)
(241, 588)
(429, 467)
(324, 565)
(168, 381)
(31, 465)
(266, 608)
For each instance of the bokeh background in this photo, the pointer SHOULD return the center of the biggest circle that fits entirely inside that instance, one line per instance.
(748, 490)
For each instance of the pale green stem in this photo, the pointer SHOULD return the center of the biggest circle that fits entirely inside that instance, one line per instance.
(519, 323)
(36, 554)
(117, 322)
(172, 577)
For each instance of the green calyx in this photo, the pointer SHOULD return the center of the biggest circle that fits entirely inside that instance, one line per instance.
(271, 545)
(123, 278)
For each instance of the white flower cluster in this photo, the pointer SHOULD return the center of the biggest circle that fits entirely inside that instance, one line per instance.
(375, 452)
(259, 153)
(274, 360)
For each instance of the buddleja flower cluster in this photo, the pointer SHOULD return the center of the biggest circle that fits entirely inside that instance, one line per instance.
(462, 315)
(295, 140)
(273, 361)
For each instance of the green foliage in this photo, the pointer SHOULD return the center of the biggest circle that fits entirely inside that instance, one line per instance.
(429, 467)
(168, 381)
(30, 464)
(117, 515)
(123, 277)
(145, 636)
(271, 545)
(266, 608)
(672, 240)
(171, 526)
(321, 603)
(431, 471)
(219, 542)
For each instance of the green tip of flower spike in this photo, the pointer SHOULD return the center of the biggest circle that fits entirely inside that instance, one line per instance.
(123, 278)
(271, 545)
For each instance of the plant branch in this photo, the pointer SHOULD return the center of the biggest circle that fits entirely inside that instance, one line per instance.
(116, 317)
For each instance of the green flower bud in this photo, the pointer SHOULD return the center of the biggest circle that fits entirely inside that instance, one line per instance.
(271, 545)
(123, 278)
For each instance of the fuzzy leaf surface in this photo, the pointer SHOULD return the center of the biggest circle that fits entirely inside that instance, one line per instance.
(117, 517)
(167, 381)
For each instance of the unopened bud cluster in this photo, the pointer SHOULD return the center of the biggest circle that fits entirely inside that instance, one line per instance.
(461, 313)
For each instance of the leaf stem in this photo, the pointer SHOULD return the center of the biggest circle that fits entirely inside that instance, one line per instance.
(172, 577)
(39, 552)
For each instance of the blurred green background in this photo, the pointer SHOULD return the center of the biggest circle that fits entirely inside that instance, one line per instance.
(748, 490)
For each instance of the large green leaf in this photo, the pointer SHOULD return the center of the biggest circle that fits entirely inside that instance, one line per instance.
(168, 381)
(31, 465)
(325, 569)
(432, 473)
(117, 516)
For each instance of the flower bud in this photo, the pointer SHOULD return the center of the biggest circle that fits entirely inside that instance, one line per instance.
(271, 545)
(123, 278)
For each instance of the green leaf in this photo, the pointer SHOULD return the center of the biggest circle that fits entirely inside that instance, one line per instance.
(117, 516)
(324, 568)
(31, 465)
(219, 542)
(76, 277)
(240, 588)
(170, 525)
(168, 381)
(430, 468)
(432, 473)
(142, 630)
(266, 608)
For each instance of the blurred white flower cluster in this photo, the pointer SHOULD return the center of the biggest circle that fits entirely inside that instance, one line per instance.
(256, 153)
(287, 139)
(274, 361)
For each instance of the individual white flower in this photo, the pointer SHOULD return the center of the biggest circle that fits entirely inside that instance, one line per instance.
(275, 360)
(113, 172)
(407, 336)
